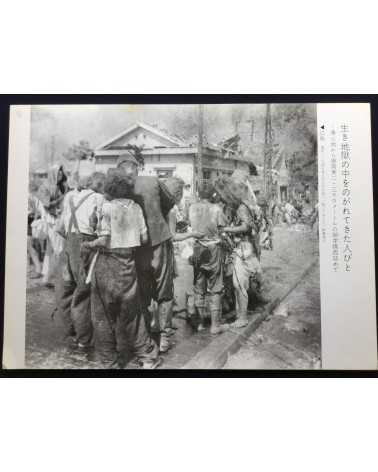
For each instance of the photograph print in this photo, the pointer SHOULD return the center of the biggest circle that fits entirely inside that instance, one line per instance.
(173, 237)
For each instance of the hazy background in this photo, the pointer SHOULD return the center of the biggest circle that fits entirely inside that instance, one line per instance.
(55, 128)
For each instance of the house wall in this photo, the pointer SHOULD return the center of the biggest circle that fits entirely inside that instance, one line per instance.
(180, 165)
(215, 167)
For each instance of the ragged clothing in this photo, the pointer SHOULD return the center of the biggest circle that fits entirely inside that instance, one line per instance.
(245, 260)
(122, 219)
(207, 270)
(208, 258)
(120, 328)
(118, 314)
(206, 218)
(252, 218)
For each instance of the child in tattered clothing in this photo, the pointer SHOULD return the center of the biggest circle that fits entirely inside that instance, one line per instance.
(119, 322)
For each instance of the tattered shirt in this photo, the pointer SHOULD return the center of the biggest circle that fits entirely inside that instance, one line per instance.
(207, 218)
(122, 219)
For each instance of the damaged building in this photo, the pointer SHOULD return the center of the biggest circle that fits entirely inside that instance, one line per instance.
(165, 155)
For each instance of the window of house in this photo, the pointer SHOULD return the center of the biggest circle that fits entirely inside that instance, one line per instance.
(164, 173)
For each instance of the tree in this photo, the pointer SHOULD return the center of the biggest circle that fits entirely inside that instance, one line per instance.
(295, 131)
(137, 153)
(78, 151)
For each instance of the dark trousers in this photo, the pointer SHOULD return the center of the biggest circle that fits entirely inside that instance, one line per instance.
(73, 294)
(155, 268)
(119, 325)
(208, 275)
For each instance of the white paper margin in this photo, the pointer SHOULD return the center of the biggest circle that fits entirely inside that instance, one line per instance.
(348, 310)
(16, 238)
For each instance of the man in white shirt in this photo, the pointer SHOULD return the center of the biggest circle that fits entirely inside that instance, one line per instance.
(79, 218)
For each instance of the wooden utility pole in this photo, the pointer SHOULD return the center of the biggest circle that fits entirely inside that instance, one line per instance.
(268, 151)
(252, 121)
(52, 150)
(236, 125)
(46, 156)
(200, 147)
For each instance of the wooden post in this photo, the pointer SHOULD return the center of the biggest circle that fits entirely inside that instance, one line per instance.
(200, 147)
(252, 121)
(268, 150)
(52, 150)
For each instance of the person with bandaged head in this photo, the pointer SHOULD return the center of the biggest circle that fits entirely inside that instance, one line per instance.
(78, 225)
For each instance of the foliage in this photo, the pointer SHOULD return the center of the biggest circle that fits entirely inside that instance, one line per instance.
(78, 151)
(295, 131)
(137, 153)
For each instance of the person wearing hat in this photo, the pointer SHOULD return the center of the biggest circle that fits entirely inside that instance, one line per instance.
(154, 260)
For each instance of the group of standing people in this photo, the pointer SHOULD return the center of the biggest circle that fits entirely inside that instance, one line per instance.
(114, 279)
(295, 210)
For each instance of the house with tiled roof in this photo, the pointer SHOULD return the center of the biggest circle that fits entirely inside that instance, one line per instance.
(166, 155)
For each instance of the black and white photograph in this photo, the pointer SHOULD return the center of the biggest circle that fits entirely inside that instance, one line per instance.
(189, 207)
(173, 237)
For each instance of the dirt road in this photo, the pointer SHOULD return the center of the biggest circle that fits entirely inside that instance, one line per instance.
(290, 338)
(294, 248)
